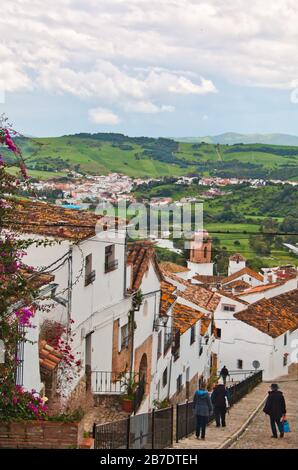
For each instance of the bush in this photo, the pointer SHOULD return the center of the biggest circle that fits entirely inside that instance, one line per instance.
(18, 404)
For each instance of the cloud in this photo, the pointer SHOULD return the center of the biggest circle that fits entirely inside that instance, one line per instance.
(143, 53)
(147, 107)
(103, 116)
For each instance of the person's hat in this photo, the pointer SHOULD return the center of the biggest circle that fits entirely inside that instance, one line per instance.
(274, 387)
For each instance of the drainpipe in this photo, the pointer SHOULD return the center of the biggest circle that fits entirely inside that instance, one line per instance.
(69, 288)
(125, 265)
(132, 334)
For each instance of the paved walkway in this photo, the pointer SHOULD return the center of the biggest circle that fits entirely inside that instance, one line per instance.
(257, 434)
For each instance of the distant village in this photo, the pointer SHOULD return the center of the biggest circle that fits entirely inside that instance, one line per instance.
(78, 189)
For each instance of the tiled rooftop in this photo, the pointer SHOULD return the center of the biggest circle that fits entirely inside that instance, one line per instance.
(256, 289)
(139, 255)
(242, 272)
(40, 218)
(49, 358)
(167, 297)
(173, 267)
(273, 316)
(201, 296)
(237, 257)
(185, 317)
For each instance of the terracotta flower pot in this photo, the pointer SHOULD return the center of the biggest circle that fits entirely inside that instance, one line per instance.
(127, 405)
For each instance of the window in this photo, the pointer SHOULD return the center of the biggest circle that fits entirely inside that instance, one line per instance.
(89, 273)
(145, 308)
(110, 262)
(192, 334)
(165, 377)
(159, 338)
(205, 252)
(285, 339)
(124, 336)
(239, 364)
(218, 333)
(229, 308)
(179, 383)
(200, 347)
(285, 360)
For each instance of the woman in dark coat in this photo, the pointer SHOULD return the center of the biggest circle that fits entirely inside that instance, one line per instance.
(202, 408)
(275, 407)
(220, 396)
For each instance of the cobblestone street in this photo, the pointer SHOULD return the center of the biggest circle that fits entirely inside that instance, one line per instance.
(257, 435)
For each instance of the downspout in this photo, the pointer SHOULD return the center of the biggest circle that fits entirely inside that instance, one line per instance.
(69, 288)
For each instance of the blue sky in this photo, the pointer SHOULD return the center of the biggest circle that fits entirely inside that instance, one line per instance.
(167, 67)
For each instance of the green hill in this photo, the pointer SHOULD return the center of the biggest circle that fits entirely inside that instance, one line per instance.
(143, 156)
(235, 138)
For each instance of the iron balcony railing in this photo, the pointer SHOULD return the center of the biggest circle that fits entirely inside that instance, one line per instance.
(110, 383)
(90, 278)
(111, 265)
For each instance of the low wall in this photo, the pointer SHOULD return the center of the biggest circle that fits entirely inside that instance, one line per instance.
(40, 435)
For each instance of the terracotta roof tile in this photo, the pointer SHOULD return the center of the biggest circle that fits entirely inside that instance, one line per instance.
(261, 288)
(201, 296)
(211, 280)
(205, 323)
(139, 255)
(49, 358)
(173, 267)
(237, 257)
(185, 317)
(273, 316)
(40, 218)
(240, 273)
(167, 297)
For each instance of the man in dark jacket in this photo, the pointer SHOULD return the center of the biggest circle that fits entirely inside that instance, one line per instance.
(220, 398)
(275, 407)
(224, 374)
(202, 408)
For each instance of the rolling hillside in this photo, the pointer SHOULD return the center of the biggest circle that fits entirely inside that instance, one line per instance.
(143, 156)
(231, 138)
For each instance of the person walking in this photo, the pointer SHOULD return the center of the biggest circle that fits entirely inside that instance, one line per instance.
(224, 374)
(275, 407)
(202, 408)
(221, 400)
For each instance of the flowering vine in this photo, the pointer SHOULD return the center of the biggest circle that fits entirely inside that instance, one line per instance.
(17, 296)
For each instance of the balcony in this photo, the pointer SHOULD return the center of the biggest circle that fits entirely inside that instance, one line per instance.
(111, 266)
(90, 278)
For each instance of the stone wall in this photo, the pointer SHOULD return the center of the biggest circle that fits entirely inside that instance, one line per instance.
(40, 435)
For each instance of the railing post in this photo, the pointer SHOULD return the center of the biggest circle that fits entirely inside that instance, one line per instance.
(172, 424)
(152, 429)
(127, 432)
(186, 414)
(177, 421)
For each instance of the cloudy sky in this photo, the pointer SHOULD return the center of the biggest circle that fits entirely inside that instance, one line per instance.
(149, 67)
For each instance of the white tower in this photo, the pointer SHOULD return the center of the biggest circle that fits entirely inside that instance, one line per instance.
(236, 262)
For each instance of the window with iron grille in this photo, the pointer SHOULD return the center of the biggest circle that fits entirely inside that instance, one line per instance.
(179, 383)
(159, 339)
(229, 308)
(89, 273)
(239, 364)
(285, 360)
(285, 339)
(124, 336)
(218, 333)
(110, 262)
(192, 334)
(165, 377)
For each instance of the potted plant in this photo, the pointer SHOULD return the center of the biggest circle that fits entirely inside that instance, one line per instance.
(130, 385)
